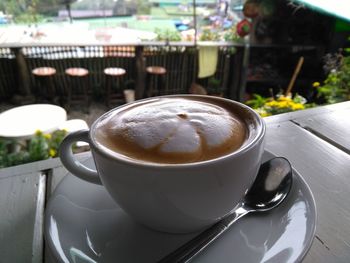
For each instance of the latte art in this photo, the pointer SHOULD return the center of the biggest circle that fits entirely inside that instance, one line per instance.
(172, 130)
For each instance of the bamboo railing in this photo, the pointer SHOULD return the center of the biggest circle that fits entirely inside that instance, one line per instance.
(180, 60)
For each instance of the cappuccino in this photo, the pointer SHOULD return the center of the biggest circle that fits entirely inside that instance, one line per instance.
(172, 130)
(189, 155)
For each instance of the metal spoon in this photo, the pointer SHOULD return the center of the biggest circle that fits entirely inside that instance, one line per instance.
(272, 185)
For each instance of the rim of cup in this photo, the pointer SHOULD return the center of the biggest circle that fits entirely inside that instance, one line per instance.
(260, 133)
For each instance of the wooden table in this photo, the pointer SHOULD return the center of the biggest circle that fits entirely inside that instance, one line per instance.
(316, 141)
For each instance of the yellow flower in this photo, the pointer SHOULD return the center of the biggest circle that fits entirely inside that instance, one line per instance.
(47, 136)
(298, 106)
(38, 133)
(284, 98)
(52, 152)
(262, 112)
(265, 114)
(272, 103)
(316, 84)
(282, 104)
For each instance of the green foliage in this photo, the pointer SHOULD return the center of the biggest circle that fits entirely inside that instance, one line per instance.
(167, 35)
(257, 101)
(209, 35)
(213, 82)
(143, 7)
(281, 104)
(40, 147)
(231, 35)
(55, 141)
(7, 158)
(336, 87)
(29, 18)
(214, 86)
(25, 11)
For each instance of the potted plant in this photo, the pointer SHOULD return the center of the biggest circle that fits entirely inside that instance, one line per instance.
(40, 147)
(336, 87)
(276, 105)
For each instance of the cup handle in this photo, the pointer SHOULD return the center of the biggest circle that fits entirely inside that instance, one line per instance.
(71, 163)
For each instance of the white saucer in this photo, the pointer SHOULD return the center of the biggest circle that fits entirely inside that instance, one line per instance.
(83, 224)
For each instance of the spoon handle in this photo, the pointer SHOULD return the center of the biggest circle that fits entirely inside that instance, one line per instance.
(189, 250)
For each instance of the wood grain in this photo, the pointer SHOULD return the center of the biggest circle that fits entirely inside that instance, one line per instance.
(29, 167)
(55, 176)
(38, 233)
(307, 113)
(37, 166)
(20, 237)
(315, 141)
(333, 127)
(327, 171)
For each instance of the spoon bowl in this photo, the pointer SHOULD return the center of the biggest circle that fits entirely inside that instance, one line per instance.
(270, 188)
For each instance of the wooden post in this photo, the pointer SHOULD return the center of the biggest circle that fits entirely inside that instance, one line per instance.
(140, 73)
(233, 88)
(195, 22)
(226, 70)
(23, 78)
(243, 72)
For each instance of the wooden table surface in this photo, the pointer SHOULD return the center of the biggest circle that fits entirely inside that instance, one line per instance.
(316, 141)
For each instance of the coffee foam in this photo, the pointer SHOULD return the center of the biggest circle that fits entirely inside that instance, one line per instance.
(172, 130)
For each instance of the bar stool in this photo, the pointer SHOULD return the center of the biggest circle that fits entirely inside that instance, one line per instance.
(78, 87)
(114, 76)
(46, 88)
(155, 79)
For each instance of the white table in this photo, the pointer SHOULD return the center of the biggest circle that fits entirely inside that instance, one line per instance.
(316, 141)
(22, 122)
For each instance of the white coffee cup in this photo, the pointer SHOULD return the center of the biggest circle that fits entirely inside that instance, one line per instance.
(176, 198)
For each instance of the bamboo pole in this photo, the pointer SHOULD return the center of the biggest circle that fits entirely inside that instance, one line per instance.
(294, 76)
